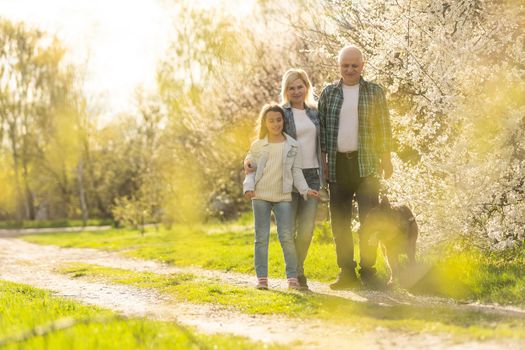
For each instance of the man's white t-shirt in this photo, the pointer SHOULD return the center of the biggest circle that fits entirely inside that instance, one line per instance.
(348, 120)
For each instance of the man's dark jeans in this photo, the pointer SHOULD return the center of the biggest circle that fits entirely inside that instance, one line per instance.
(366, 190)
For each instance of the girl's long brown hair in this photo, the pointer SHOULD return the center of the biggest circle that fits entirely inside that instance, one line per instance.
(262, 130)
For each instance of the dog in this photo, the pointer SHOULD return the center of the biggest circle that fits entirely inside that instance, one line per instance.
(395, 227)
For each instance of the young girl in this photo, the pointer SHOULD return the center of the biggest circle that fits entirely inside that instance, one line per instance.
(277, 159)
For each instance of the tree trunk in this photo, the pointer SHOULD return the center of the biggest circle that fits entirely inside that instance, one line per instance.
(19, 196)
(82, 192)
(29, 198)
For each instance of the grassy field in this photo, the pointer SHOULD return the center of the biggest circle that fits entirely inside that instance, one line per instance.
(32, 319)
(464, 324)
(462, 274)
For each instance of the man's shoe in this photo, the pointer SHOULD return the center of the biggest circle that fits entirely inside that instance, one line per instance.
(370, 280)
(345, 280)
(303, 282)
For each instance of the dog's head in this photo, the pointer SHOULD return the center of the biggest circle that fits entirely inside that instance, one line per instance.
(379, 212)
(378, 220)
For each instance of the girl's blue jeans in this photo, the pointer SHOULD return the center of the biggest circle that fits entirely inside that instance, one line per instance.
(283, 212)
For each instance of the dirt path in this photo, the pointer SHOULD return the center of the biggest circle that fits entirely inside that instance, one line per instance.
(33, 264)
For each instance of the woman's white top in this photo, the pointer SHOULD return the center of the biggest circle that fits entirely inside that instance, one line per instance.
(307, 138)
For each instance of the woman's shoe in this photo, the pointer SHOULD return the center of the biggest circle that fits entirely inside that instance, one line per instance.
(303, 283)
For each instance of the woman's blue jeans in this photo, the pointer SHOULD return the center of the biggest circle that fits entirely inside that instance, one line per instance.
(304, 212)
(284, 218)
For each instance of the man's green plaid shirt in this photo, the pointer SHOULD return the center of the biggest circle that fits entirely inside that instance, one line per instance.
(374, 133)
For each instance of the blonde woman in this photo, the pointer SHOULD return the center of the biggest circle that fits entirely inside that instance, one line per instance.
(302, 124)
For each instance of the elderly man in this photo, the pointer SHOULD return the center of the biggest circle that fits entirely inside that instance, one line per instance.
(356, 142)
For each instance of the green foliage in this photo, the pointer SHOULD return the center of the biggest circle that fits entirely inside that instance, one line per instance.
(132, 213)
(54, 162)
(40, 110)
(24, 308)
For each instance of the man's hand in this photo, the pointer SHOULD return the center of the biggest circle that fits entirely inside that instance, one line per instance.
(249, 194)
(325, 166)
(386, 164)
(248, 167)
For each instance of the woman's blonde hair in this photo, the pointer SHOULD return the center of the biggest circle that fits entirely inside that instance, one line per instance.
(262, 130)
(292, 75)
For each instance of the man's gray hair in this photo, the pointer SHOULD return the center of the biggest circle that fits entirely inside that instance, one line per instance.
(347, 48)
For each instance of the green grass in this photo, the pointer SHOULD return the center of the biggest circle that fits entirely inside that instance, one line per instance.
(466, 274)
(23, 309)
(221, 249)
(366, 316)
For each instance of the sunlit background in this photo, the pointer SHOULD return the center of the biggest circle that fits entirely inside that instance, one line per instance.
(170, 90)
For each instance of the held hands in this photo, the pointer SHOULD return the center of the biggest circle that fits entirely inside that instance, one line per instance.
(312, 194)
(249, 194)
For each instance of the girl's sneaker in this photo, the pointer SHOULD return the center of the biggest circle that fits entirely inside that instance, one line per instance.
(293, 283)
(262, 283)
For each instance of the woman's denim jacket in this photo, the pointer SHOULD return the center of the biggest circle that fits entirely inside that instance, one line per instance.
(291, 130)
(292, 166)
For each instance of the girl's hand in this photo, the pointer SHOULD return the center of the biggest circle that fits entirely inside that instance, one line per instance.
(248, 167)
(249, 194)
(312, 194)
